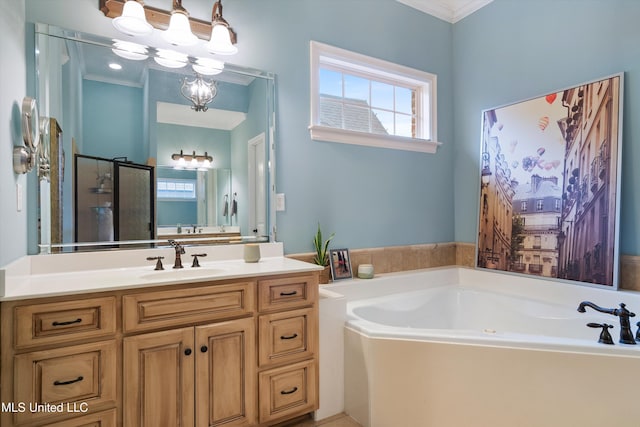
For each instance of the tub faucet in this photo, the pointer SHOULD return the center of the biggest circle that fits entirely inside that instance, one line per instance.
(626, 336)
(179, 251)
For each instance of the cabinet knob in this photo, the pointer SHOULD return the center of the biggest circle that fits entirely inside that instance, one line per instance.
(204, 349)
(187, 352)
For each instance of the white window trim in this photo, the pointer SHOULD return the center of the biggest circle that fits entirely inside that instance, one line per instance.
(331, 54)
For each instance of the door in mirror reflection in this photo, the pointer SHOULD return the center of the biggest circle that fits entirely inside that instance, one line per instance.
(114, 200)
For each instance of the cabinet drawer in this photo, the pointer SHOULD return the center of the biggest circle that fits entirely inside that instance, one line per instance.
(63, 322)
(287, 292)
(101, 419)
(288, 391)
(78, 377)
(287, 336)
(153, 310)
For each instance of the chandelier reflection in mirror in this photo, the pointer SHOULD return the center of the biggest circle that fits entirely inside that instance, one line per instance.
(199, 91)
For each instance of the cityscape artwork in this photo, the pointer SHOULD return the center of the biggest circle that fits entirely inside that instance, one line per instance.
(550, 185)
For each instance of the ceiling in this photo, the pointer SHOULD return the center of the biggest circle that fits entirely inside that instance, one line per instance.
(447, 10)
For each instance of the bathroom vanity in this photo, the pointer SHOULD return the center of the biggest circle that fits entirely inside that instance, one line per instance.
(228, 344)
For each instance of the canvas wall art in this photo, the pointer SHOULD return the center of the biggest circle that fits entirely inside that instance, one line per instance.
(550, 184)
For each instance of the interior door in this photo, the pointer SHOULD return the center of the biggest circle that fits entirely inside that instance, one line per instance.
(134, 202)
(257, 186)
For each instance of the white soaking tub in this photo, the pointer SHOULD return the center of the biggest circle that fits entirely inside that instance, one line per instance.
(462, 347)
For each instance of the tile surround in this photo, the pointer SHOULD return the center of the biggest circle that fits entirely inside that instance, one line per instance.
(413, 257)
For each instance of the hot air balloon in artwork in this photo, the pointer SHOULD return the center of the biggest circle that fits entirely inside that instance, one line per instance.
(543, 122)
(551, 97)
(512, 145)
(541, 151)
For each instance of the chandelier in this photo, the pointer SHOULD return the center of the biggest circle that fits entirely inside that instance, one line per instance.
(199, 91)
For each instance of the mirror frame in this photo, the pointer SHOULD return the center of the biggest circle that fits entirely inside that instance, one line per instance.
(43, 203)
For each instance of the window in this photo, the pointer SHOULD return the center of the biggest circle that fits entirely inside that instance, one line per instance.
(176, 189)
(357, 99)
(539, 205)
(523, 207)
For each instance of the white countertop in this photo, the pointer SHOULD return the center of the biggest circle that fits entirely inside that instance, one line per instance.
(26, 279)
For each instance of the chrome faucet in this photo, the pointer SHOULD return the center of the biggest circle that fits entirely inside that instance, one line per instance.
(626, 336)
(179, 251)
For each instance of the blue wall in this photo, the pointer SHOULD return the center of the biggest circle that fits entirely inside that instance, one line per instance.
(115, 124)
(370, 197)
(512, 50)
(507, 51)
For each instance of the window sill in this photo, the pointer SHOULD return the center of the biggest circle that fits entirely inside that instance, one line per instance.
(323, 133)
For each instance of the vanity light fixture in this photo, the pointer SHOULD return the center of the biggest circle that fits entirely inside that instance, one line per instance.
(199, 91)
(179, 31)
(158, 18)
(222, 38)
(133, 21)
(195, 161)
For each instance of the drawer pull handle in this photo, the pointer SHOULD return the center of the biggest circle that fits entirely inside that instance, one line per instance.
(288, 337)
(80, 378)
(288, 294)
(187, 352)
(293, 390)
(70, 322)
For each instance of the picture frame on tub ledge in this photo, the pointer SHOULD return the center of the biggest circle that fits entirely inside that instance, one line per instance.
(549, 196)
(340, 262)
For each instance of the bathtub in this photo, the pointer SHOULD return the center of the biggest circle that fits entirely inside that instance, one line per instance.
(464, 347)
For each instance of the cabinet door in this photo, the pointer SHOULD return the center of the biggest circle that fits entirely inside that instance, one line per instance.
(225, 374)
(158, 379)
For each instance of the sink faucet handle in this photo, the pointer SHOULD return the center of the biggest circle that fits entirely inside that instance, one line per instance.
(605, 336)
(196, 263)
(624, 311)
(159, 263)
(177, 246)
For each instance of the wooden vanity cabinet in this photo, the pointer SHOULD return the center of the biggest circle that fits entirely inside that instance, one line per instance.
(227, 353)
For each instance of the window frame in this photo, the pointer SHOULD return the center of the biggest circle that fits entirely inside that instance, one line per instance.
(176, 181)
(377, 70)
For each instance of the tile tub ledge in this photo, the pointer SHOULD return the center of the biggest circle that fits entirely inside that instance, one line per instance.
(66, 274)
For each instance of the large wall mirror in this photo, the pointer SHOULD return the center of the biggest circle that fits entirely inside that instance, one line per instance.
(120, 139)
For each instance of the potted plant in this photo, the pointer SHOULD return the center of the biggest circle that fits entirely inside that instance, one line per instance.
(321, 257)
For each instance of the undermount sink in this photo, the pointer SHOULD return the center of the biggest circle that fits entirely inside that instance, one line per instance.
(182, 273)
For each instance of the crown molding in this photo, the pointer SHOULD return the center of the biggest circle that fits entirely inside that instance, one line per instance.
(448, 10)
